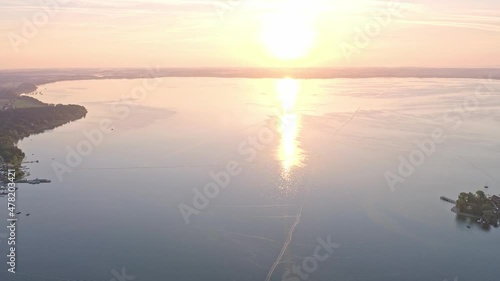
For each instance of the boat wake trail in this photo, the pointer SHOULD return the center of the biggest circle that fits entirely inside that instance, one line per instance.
(285, 246)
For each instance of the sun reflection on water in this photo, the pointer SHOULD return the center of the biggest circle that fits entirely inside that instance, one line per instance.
(290, 154)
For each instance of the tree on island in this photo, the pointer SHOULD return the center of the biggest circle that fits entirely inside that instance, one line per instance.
(479, 205)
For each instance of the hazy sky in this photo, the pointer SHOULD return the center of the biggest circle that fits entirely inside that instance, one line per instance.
(256, 33)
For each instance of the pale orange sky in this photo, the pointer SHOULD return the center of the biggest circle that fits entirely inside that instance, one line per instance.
(224, 33)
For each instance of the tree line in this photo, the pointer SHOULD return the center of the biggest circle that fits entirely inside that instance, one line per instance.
(479, 205)
(16, 124)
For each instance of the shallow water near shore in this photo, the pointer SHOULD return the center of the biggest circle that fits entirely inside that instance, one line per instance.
(323, 147)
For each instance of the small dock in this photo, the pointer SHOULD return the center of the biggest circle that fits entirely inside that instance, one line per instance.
(444, 198)
(35, 181)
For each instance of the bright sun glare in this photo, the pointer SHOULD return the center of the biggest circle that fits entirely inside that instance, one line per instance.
(288, 34)
(290, 153)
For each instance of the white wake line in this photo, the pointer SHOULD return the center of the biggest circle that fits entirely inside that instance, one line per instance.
(285, 246)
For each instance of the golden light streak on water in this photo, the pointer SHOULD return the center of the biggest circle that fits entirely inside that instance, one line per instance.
(290, 154)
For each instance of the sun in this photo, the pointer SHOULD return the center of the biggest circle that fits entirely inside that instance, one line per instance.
(287, 35)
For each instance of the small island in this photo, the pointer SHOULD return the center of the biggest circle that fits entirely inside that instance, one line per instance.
(478, 206)
(22, 116)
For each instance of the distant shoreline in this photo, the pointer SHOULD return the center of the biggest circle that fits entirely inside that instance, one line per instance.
(18, 81)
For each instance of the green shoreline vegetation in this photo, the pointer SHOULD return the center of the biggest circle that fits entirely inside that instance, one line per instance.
(480, 206)
(22, 116)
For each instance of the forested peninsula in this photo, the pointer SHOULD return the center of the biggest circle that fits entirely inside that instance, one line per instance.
(22, 116)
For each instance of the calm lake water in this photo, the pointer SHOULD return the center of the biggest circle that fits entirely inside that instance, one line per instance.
(312, 157)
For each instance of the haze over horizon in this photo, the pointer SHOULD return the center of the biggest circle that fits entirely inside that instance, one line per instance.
(194, 34)
(249, 140)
